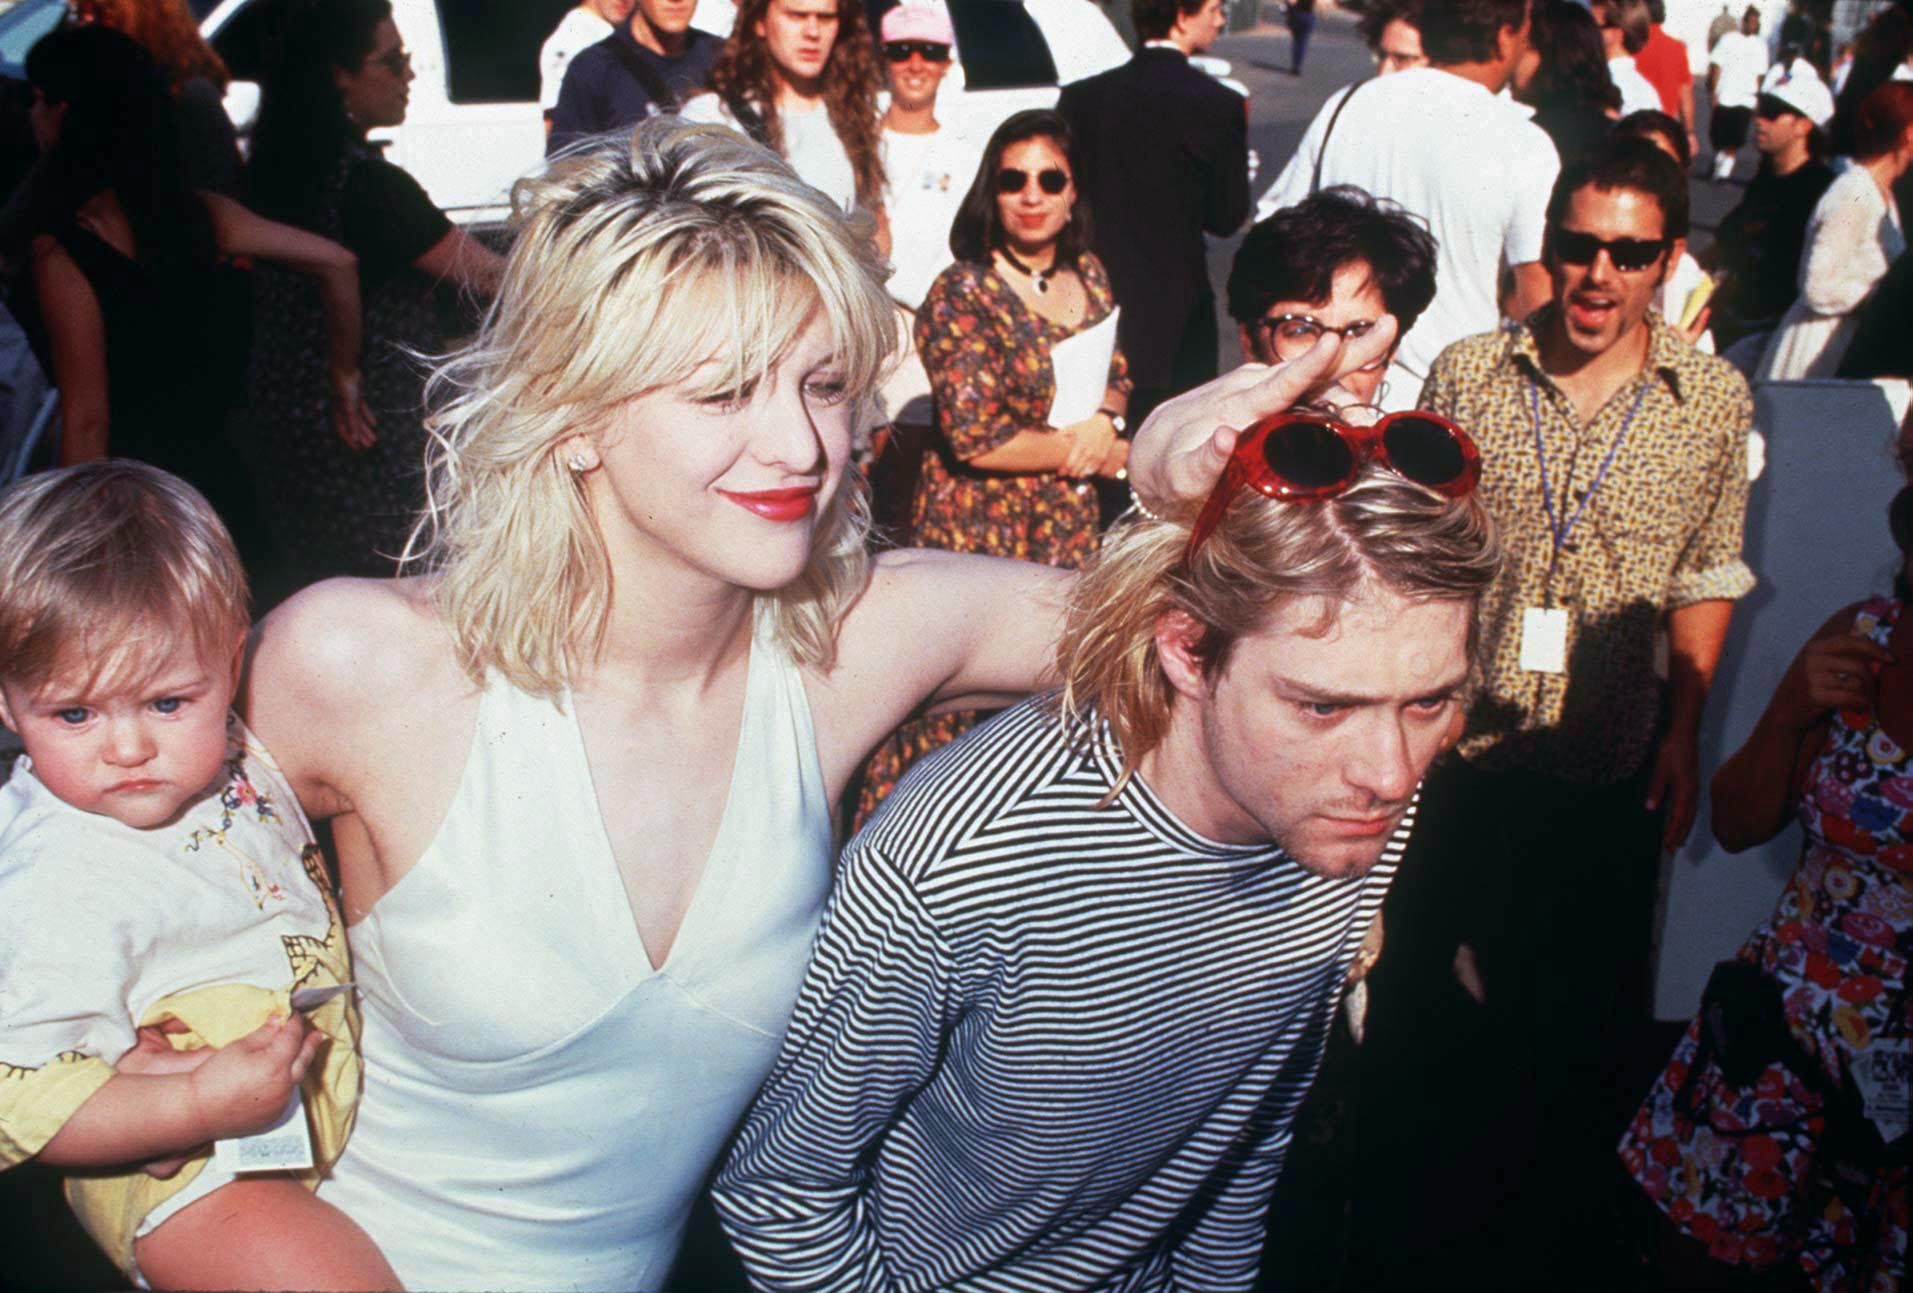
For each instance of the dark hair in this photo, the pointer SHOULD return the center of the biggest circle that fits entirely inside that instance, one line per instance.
(1294, 255)
(120, 134)
(1464, 31)
(1632, 18)
(977, 230)
(1651, 124)
(1882, 119)
(1626, 162)
(1573, 76)
(303, 130)
(1657, 12)
(1378, 14)
(1899, 520)
(1154, 18)
(744, 77)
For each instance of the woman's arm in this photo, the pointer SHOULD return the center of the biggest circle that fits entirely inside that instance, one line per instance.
(1756, 789)
(462, 260)
(1843, 259)
(240, 232)
(77, 333)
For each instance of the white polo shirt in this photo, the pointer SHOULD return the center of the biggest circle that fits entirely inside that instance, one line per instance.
(1741, 60)
(1468, 162)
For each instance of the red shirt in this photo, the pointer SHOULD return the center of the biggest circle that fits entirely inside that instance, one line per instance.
(1663, 61)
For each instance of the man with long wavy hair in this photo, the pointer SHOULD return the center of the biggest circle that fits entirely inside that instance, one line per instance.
(800, 76)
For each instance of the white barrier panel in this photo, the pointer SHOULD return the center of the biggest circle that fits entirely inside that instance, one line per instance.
(1817, 538)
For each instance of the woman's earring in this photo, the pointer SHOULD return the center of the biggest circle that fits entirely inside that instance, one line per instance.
(579, 461)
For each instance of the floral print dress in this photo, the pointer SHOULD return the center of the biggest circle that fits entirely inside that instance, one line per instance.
(988, 358)
(1743, 1170)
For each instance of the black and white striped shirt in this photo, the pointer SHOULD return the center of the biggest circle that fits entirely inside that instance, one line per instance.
(1041, 1044)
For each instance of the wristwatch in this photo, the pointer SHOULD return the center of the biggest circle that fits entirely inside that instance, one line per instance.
(1116, 420)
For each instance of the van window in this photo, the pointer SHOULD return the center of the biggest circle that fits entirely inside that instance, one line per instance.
(491, 47)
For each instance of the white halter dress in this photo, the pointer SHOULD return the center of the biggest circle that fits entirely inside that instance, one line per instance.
(542, 1107)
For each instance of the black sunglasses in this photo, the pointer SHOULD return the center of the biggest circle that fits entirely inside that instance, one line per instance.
(1769, 107)
(1572, 247)
(899, 51)
(1052, 181)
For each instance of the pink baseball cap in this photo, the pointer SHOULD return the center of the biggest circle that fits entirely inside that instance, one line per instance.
(918, 22)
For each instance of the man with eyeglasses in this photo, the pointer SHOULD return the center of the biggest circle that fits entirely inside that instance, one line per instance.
(651, 63)
(1615, 463)
(1162, 158)
(1392, 31)
(1333, 263)
(1077, 973)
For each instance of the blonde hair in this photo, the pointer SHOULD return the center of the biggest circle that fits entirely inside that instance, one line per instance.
(106, 565)
(674, 253)
(1383, 530)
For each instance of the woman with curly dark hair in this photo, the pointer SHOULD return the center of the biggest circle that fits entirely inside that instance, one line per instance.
(800, 76)
(1564, 78)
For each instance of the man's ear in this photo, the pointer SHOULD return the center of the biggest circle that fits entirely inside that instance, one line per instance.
(1178, 635)
(6, 714)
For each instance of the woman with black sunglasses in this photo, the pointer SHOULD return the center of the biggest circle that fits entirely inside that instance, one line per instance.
(1000, 478)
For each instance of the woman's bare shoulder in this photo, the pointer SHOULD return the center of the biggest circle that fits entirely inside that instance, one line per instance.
(349, 640)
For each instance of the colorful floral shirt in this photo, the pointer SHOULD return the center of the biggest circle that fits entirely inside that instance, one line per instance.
(988, 357)
(1745, 1170)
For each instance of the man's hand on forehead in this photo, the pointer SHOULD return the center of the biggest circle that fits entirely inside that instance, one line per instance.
(1181, 451)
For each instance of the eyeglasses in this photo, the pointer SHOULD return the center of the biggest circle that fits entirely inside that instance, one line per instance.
(398, 61)
(1052, 181)
(1392, 60)
(1291, 335)
(899, 51)
(1630, 255)
(1305, 457)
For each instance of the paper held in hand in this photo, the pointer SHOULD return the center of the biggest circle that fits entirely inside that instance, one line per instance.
(286, 1146)
(1081, 363)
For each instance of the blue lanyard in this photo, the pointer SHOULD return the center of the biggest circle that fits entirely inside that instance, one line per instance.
(1556, 527)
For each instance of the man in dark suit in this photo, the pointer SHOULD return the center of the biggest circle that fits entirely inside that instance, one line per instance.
(1162, 157)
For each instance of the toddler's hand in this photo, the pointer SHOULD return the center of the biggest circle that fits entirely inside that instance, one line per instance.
(243, 1087)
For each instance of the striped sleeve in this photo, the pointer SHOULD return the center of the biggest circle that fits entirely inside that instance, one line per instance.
(864, 1038)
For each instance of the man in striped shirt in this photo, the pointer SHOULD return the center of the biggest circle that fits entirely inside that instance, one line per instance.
(1078, 973)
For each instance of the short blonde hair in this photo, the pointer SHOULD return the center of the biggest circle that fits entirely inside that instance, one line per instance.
(106, 564)
(1383, 530)
(641, 257)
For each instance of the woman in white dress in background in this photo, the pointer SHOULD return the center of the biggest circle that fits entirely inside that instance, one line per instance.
(580, 773)
(1853, 237)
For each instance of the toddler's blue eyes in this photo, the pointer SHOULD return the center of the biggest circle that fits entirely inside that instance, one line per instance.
(167, 704)
(73, 716)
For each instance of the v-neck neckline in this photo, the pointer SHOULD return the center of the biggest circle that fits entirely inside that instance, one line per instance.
(606, 867)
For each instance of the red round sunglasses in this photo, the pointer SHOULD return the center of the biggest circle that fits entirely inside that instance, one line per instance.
(1304, 457)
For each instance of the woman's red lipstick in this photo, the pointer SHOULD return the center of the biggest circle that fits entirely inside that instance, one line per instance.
(792, 504)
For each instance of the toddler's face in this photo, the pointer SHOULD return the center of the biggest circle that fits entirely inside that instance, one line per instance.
(137, 754)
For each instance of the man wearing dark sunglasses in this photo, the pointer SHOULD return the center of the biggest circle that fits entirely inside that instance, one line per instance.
(1162, 153)
(1614, 459)
(1078, 973)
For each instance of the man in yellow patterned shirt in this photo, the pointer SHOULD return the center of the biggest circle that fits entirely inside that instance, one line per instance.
(1614, 460)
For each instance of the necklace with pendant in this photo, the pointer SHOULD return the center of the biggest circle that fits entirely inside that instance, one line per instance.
(1040, 277)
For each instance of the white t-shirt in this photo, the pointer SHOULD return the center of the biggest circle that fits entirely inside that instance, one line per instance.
(578, 29)
(1469, 163)
(810, 146)
(925, 179)
(1637, 92)
(1741, 59)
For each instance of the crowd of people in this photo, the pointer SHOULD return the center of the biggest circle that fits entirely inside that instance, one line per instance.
(974, 900)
